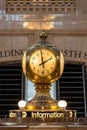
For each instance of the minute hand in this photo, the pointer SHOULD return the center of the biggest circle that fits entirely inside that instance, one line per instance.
(42, 58)
(45, 61)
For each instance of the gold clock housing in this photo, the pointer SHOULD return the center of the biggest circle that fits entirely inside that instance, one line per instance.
(43, 64)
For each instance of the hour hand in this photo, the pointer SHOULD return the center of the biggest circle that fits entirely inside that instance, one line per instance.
(45, 61)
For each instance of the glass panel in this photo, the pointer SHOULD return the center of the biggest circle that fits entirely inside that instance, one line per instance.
(30, 90)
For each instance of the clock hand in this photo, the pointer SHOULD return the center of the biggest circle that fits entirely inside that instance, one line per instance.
(45, 61)
(42, 58)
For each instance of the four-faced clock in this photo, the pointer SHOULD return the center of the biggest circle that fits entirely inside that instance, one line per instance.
(42, 64)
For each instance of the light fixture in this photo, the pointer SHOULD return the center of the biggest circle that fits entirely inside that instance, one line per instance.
(62, 104)
(22, 104)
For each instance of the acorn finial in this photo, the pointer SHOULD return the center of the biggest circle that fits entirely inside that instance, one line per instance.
(43, 35)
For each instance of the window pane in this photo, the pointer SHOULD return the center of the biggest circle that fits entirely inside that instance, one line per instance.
(30, 90)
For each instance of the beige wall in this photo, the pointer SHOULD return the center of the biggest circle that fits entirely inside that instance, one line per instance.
(72, 44)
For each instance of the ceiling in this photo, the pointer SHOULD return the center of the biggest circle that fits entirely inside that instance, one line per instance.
(32, 21)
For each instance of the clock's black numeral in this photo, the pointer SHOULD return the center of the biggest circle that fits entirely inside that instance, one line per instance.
(51, 68)
(34, 68)
(47, 54)
(48, 71)
(43, 72)
(37, 71)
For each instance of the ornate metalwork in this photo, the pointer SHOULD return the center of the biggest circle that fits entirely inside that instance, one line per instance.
(40, 6)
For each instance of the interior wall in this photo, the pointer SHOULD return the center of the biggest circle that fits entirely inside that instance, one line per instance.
(73, 44)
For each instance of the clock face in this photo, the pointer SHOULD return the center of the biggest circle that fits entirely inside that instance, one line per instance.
(42, 62)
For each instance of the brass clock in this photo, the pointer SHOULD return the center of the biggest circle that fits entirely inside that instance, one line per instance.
(43, 64)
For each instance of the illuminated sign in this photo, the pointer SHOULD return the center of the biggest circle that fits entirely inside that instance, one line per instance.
(41, 114)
